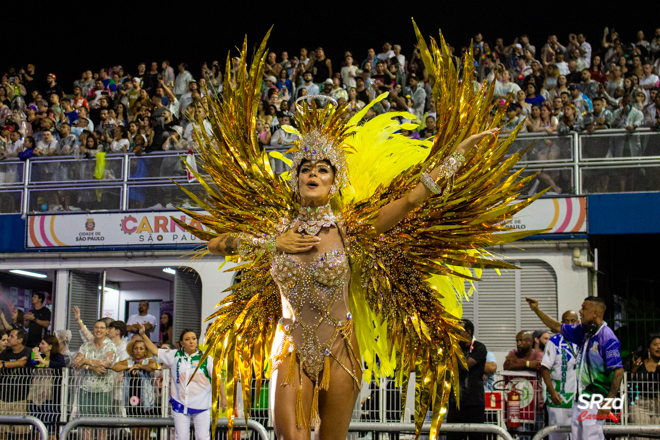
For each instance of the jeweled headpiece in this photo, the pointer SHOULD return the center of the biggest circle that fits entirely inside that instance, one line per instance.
(322, 128)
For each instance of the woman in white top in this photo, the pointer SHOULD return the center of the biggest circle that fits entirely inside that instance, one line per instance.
(120, 142)
(526, 108)
(190, 391)
(561, 86)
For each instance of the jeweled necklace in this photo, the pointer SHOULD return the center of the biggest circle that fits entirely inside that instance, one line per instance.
(312, 219)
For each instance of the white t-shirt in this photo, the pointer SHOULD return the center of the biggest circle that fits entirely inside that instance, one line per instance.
(118, 146)
(13, 147)
(188, 134)
(563, 68)
(188, 396)
(386, 56)
(346, 78)
(559, 357)
(587, 56)
(151, 319)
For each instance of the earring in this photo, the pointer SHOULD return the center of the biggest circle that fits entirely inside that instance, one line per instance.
(333, 190)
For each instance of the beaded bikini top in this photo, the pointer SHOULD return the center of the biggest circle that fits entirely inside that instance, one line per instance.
(313, 284)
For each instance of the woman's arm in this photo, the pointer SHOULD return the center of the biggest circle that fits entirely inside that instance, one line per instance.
(120, 366)
(6, 325)
(395, 211)
(147, 342)
(150, 367)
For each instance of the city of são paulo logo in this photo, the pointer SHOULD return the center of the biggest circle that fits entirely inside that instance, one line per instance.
(598, 402)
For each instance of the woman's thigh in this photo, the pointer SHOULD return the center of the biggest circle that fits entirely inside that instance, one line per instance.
(337, 403)
(284, 399)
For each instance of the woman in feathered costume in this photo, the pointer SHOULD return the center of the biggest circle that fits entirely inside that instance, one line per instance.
(356, 256)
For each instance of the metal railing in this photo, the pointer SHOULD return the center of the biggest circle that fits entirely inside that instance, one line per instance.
(101, 423)
(579, 163)
(25, 420)
(608, 430)
(426, 428)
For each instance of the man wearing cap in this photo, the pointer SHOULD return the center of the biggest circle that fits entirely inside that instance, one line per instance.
(327, 87)
(53, 87)
(581, 101)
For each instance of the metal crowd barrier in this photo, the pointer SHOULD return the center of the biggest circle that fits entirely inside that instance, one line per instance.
(127, 422)
(578, 163)
(26, 420)
(426, 428)
(626, 430)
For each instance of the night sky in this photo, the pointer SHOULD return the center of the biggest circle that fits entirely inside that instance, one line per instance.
(68, 38)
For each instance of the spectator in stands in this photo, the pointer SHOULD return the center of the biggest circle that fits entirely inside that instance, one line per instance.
(628, 117)
(166, 327)
(38, 320)
(560, 63)
(430, 129)
(417, 94)
(182, 80)
(143, 317)
(95, 393)
(570, 120)
(512, 120)
(17, 320)
(64, 338)
(4, 338)
(338, 92)
(472, 397)
(489, 371)
(53, 87)
(581, 101)
(652, 112)
(602, 371)
(524, 357)
(281, 138)
(588, 86)
(190, 387)
(138, 386)
(45, 389)
(14, 361)
(541, 338)
(322, 67)
(558, 372)
(349, 72)
(312, 89)
(644, 373)
(600, 118)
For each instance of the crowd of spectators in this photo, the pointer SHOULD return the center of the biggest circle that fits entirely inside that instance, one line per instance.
(581, 84)
(115, 372)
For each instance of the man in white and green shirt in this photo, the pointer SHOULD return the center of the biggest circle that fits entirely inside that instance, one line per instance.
(558, 371)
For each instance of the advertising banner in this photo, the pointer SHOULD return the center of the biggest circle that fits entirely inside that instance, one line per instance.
(559, 215)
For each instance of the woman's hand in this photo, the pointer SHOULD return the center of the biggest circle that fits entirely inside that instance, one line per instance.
(465, 146)
(636, 363)
(292, 242)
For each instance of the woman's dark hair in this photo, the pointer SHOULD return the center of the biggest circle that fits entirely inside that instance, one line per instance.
(183, 333)
(124, 132)
(266, 107)
(20, 317)
(96, 143)
(54, 343)
(272, 91)
(31, 139)
(286, 74)
(169, 322)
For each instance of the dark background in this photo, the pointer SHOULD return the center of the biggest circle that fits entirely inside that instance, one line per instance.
(66, 38)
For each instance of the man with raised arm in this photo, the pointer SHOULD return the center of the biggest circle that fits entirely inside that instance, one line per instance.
(598, 366)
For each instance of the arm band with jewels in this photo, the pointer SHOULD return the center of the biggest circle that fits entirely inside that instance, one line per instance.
(447, 170)
(248, 244)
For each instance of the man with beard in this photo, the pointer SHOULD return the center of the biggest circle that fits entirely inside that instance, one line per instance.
(471, 380)
(541, 337)
(558, 372)
(143, 317)
(524, 357)
(599, 369)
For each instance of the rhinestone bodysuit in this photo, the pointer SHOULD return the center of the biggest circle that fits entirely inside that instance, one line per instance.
(314, 289)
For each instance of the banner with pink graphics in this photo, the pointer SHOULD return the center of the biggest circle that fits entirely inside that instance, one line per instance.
(109, 229)
(559, 215)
